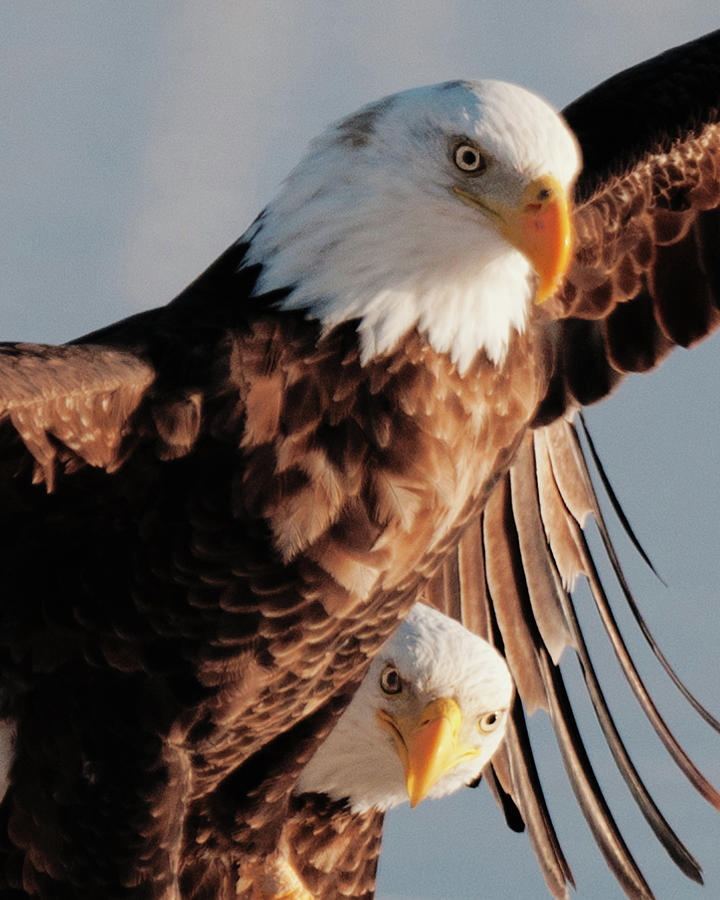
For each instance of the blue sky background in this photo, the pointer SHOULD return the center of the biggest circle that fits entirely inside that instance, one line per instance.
(139, 139)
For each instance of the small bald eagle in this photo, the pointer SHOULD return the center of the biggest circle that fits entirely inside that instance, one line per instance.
(215, 513)
(427, 718)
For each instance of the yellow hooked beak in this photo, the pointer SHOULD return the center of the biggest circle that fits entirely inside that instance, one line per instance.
(429, 745)
(539, 228)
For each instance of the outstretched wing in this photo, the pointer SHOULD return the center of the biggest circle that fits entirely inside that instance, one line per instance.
(646, 270)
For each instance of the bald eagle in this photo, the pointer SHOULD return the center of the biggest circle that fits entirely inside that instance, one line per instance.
(425, 721)
(215, 513)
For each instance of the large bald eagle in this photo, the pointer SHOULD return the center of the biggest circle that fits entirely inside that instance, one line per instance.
(215, 513)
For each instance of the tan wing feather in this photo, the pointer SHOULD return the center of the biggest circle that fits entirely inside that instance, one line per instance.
(71, 405)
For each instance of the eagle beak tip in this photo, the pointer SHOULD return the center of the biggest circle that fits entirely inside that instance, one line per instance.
(544, 233)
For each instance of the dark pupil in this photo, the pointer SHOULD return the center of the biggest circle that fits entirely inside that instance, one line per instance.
(391, 680)
(469, 158)
(490, 720)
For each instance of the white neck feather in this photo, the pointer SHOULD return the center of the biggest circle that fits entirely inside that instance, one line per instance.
(465, 289)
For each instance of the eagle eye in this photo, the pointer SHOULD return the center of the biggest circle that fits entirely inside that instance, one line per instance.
(489, 722)
(468, 158)
(390, 680)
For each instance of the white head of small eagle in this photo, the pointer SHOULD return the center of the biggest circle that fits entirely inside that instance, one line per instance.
(442, 209)
(425, 721)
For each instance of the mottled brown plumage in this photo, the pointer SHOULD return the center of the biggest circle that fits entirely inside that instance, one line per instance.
(235, 513)
(333, 850)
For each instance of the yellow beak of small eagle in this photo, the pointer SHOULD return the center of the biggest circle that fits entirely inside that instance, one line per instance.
(539, 227)
(428, 745)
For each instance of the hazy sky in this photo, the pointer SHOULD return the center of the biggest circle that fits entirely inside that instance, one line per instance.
(139, 139)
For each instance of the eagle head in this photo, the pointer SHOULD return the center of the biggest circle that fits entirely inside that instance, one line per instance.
(443, 209)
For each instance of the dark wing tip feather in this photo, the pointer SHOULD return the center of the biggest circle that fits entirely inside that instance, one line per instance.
(513, 817)
(588, 791)
(617, 508)
(665, 834)
(646, 107)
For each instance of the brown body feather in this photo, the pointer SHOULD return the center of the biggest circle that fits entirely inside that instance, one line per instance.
(334, 851)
